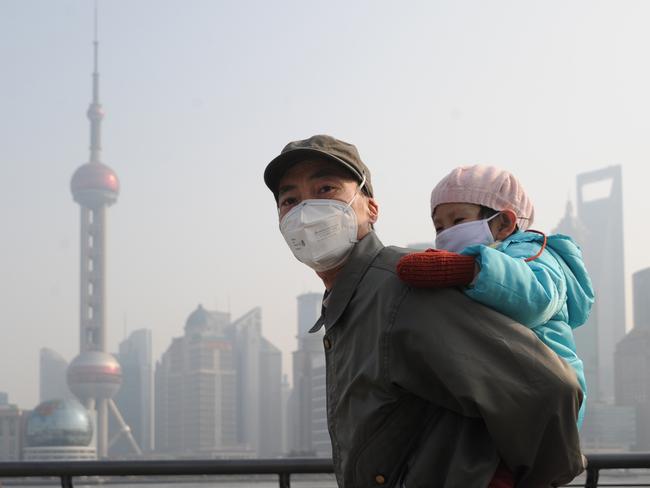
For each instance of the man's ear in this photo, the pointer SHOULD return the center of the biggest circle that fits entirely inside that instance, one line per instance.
(504, 225)
(373, 210)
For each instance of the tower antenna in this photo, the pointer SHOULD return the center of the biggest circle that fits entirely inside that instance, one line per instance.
(95, 113)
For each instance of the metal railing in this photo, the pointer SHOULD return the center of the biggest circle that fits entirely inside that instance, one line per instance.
(599, 462)
(66, 471)
(282, 468)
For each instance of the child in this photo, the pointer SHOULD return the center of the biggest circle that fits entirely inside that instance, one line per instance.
(483, 213)
(540, 281)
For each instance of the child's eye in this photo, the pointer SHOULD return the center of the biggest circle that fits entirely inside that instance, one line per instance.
(459, 220)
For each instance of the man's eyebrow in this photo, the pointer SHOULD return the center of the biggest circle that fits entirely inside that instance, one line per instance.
(285, 188)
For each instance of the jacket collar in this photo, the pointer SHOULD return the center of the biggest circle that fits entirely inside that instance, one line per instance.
(363, 254)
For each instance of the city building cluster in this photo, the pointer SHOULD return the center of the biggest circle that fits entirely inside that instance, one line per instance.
(218, 390)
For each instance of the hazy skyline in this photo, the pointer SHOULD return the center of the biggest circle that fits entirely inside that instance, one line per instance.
(200, 95)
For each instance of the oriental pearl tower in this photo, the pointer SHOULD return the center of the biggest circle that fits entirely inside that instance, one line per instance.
(94, 376)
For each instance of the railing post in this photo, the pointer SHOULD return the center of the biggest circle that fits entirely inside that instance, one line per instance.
(285, 480)
(592, 478)
(66, 481)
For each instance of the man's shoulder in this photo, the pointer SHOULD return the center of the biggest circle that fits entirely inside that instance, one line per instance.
(418, 298)
(389, 256)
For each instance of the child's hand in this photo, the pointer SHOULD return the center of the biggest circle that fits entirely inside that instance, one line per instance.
(436, 269)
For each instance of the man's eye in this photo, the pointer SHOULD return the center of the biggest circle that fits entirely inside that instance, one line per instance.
(325, 189)
(287, 202)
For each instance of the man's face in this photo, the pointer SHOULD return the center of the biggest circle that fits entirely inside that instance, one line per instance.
(320, 179)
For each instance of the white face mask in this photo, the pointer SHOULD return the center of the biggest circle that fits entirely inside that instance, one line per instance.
(321, 233)
(460, 236)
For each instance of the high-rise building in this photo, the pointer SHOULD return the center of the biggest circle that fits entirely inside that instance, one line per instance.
(11, 438)
(632, 362)
(641, 285)
(270, 400)
(135, 397)
(259, 374)
(196, 401)
(600, 210)
(94, 376)
(284, 409)
(320, 436)
(218, 389)
(246, 335)
(306, 415)
(52, 378)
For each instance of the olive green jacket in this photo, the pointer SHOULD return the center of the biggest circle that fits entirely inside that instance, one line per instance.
(427, 388)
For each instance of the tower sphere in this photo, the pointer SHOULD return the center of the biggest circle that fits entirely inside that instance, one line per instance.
(94, 374)
(94, 184)
(59, 423)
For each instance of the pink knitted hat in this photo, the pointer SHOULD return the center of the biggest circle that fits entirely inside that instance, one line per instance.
(491, 187)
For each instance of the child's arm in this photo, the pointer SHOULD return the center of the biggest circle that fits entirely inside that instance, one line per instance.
(436, 269)
(529, 292)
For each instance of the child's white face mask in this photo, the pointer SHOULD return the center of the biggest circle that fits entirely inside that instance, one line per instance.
(460, 236)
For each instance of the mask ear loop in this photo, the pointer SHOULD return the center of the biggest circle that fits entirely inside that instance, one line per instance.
(533, 258)
(363, 182)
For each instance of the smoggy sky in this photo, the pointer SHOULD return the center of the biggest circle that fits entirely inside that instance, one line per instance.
(199, 95)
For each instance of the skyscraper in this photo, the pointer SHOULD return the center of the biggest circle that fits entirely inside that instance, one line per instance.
(219, 390)
(196, 409)
(246, 334)
(135, 397)
(52, 377)
(270, 400)
(259, 383)
(641, 285)
(632, 362)
(602, 217)
(94, 376)
(11, 439)
(307, 415)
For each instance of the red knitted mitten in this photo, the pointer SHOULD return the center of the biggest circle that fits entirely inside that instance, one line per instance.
(436, 269)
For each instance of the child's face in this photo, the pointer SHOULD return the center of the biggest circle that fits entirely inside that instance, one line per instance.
(447, 215)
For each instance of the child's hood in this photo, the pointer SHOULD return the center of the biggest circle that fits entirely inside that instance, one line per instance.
(580, 291)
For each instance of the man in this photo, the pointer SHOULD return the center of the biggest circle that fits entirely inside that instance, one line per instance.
(425, 388)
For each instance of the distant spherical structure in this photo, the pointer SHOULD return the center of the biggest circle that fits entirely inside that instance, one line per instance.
(94, 374)
(59, 423)
(94, 184)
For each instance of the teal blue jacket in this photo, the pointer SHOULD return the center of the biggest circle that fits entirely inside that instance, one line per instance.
(552, 295)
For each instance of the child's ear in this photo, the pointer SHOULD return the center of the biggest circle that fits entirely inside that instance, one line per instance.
(506, 224)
